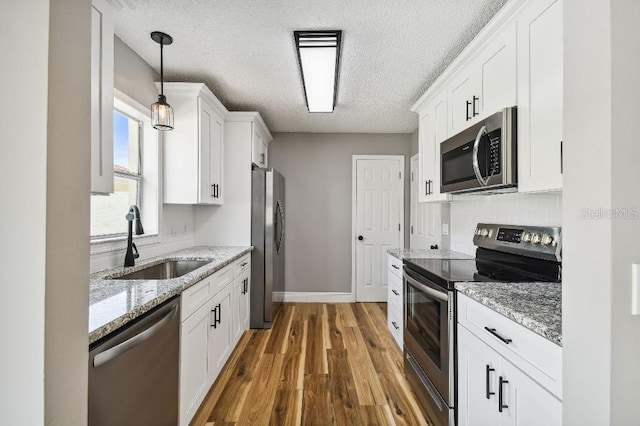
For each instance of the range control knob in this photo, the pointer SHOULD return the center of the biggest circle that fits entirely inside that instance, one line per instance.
(535, 238)
(526, 237)
(477, 231)
(484, 232)
(547, 240)
(490, 234)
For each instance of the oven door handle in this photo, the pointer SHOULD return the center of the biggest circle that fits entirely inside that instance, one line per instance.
(443, 296)
(476, 165)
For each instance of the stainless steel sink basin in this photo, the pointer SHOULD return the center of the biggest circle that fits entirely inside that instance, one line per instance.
(165, 270)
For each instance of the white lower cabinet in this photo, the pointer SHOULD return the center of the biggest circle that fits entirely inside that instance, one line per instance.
(493, 389)
(214, 317)
(395, 299)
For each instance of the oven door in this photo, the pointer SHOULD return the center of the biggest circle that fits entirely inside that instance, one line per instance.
(429, 331)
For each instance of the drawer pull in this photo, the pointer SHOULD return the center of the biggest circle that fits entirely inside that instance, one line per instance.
(395, 292)
(243, 264)
(395, 325)
(395, 266)
(493, 331)
(501, 381)
(488, 392)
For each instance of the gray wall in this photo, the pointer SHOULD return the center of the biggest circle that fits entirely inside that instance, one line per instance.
(414, 143)
(317, 169)
(132, 75)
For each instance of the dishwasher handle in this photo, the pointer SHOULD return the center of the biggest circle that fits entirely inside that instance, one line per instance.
(106, 356)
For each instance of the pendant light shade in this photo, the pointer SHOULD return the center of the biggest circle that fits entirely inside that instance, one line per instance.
(161, 111)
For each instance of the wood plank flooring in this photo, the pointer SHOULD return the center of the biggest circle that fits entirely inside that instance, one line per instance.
(320, 364)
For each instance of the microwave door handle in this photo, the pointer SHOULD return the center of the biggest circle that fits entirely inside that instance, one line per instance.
(476, 166)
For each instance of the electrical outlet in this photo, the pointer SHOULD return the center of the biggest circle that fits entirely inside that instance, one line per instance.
(445, 229)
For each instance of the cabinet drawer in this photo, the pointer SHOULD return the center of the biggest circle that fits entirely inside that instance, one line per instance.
(394, 298)
(242, 265)
(221, 278)
(395, 265)
(194, 297)
(532, 353)
(394, 322)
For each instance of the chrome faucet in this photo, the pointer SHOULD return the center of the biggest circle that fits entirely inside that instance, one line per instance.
(134, 214)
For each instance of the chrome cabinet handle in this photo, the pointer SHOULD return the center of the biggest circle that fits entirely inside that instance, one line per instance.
(476, 166)
(106, 356)
(493, 331)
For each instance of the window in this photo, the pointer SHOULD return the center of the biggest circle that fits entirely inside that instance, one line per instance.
(135, 155)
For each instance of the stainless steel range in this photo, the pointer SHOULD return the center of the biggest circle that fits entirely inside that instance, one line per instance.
(505, 253)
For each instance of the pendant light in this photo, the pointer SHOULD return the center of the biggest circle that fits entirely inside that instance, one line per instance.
(161, 112)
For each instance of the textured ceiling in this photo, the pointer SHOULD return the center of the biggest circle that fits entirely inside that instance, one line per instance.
(244, 51)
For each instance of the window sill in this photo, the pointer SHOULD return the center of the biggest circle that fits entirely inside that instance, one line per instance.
(108, 245)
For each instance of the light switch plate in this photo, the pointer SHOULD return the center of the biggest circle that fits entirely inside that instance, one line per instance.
(635, 289)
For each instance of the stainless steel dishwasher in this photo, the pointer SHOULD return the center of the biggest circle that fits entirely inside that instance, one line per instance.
(133, 374)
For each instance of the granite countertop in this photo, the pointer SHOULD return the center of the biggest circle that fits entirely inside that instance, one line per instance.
(536, 306)
(113, 303)
(427, 254)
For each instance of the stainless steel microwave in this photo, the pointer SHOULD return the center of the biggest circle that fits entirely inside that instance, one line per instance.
(482, 157)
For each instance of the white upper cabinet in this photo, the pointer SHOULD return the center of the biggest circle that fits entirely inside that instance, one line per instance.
(432, 131)
(486, 84)
(101, 97)
(259, 145)
(540, 96)
(194, 150)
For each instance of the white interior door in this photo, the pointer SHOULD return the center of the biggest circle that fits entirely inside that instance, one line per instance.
(425, 218)
(378, 226)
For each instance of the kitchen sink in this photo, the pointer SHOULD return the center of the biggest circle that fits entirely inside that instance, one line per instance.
(165, 270)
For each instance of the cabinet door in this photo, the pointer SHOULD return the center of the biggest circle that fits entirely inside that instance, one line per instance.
(258, 148)
(240, 305)
(527, 403)
(194, 332)
(220, 333)
(427, 153)
(101, 97)
(211, 154)
(478, 369)
(496, 69)
(245, 302)
(540, 97)
(461, 93)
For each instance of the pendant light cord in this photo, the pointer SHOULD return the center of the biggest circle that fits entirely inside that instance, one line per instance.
(161, 67)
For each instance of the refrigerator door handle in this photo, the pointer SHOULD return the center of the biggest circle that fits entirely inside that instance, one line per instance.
(279, 224)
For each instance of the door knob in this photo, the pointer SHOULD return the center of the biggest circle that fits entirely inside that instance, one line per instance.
(360, 238)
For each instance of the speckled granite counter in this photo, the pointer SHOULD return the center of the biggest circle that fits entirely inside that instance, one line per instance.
(427, 254)
(113, 303)
(536, 306)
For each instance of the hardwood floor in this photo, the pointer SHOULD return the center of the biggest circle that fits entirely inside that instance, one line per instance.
(320, 364)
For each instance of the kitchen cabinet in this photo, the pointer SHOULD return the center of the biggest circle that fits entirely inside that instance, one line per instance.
(194, 149)
(540, 97)
(102, 17)
(211, 326)
(395, 300)
(231, 223)
(432, 131)
(241, 296)
(486, 84)
(259, 145)
(500, 383)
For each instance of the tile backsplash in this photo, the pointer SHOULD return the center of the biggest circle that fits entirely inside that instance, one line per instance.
(512, 209)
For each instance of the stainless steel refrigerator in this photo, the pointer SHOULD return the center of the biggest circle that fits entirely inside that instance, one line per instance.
(267, 238)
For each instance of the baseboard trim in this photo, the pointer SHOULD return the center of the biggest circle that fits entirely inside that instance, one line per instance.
(318, 297)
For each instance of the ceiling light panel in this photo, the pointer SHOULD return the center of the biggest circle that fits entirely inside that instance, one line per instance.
(319, 59)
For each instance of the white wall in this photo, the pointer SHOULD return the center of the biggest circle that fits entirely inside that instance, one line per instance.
(22, 251)
(134, 77)
(68, 178)
(317, 170)
(601, 339)
(513, 209)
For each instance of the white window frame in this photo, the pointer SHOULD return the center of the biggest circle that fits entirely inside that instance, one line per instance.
(150, 187)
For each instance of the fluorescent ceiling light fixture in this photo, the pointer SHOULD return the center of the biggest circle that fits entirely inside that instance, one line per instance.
(319, 59)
